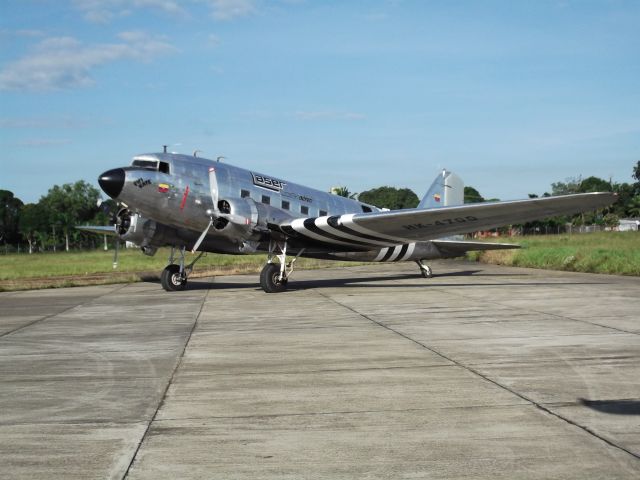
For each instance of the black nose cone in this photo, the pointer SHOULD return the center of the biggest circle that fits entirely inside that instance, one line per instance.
(112, 182)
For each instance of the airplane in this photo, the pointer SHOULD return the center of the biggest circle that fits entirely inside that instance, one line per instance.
(190, 203)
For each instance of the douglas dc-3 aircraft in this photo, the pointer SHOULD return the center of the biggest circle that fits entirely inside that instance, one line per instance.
(191, 203)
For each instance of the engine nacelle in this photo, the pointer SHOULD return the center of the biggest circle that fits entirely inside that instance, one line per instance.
(237, 218)
(144, 232)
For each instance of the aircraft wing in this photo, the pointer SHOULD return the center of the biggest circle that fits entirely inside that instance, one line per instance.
(100, 229)
(396, 227)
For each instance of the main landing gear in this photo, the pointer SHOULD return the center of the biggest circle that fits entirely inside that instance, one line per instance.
(425, 270)
(275, 276)
(174, 276)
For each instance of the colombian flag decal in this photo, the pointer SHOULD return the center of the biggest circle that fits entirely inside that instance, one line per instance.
(436, 197)
(163, 188)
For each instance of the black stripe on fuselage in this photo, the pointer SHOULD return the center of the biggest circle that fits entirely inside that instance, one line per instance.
(387, 255)
(304, 241)
(403, 252)
(310, 225)
(333, 222)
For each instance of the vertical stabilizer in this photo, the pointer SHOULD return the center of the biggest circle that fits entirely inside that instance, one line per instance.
(446, 190)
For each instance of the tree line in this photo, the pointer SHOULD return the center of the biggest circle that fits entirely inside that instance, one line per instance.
(49, 223)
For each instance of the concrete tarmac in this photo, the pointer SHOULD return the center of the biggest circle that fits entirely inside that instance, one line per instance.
(364, 372)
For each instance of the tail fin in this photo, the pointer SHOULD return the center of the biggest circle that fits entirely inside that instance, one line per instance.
(446, 190)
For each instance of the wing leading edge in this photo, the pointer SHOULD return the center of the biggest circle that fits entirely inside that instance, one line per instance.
(99, 229)
(383, 229)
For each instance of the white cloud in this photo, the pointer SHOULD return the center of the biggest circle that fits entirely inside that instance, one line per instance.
(104, 11)
(65, 62)
(228, 9)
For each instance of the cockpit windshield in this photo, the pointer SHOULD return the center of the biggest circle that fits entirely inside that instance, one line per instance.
(155, 165)
(146, 164)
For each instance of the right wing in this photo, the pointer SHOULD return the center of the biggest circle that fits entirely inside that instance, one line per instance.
(396, 227)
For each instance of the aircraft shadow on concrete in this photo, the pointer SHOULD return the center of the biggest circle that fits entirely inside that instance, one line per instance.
(370, 281)
(614, 407)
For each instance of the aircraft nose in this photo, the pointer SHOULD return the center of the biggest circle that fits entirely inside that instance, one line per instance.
(112, 182)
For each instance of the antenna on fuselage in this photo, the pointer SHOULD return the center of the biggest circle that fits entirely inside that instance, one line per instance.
(195, 152)
(164, 148)
(220, 158)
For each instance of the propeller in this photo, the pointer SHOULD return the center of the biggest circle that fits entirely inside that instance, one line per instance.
(111, 208)
(115, 252)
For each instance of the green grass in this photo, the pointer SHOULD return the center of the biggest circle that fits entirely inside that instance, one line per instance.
(604, 252)
(38, 265)
(67, 269)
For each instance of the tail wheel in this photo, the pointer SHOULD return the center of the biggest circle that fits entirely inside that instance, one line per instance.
(270, 279)
(171, 279)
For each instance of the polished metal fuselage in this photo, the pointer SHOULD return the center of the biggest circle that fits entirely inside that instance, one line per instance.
(185, 195)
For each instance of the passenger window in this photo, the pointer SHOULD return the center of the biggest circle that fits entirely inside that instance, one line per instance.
(304, 210)
(266, 199)
(285, 205)
(323, 213)
(245, 194)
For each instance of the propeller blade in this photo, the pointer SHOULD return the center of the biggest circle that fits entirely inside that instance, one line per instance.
(115, 253)
(204, 234)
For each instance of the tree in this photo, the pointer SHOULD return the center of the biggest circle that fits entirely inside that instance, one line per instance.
(625, 192)
(594, 184)
(636, 171)
(633, 207)
(471, 195)
(569, 186)
(390, 197)
(611, 220)
(70, 205)
(33, 223)
(9, 213)
(343, 192)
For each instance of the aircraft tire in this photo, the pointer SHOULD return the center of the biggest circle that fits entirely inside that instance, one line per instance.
(426, 274)
(269, 279)
(170, 279)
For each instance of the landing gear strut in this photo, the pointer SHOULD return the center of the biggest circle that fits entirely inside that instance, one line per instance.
(425, 270)
(174, 276)
(275, 276)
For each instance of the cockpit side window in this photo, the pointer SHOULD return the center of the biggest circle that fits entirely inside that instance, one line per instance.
(163, 167)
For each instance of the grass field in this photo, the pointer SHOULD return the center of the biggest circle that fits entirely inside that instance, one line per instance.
(63, 269)
(604, 252)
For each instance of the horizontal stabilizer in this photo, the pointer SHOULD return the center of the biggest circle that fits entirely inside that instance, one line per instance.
(454, 247)
(99, 229)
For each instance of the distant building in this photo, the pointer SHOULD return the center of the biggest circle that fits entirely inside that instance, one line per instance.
(629, 225)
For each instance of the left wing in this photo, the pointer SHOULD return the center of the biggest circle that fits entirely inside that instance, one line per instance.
(102, 230)
(383, 229)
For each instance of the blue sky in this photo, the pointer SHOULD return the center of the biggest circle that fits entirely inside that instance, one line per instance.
(512, 96)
